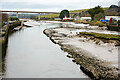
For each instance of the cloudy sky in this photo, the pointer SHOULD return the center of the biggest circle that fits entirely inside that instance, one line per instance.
(53, 5)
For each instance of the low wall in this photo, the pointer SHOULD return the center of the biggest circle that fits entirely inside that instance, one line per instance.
(4, 41)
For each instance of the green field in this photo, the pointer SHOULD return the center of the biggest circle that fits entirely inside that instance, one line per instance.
(50, 15)
(57, 15)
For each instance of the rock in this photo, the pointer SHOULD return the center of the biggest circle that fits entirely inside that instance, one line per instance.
(69, 56)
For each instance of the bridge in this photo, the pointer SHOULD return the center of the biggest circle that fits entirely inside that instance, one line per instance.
(28, 12)
(31, 12)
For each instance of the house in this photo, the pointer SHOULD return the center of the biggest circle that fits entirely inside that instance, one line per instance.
(64, 19)
(77, 18)
(114, 17)
(86, 18)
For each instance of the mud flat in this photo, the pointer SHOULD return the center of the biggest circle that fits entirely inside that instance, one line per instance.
(97, 58)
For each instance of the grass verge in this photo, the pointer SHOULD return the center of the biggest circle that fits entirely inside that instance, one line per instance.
(102, 36)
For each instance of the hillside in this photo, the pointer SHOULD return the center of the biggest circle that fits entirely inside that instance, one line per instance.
(72, 11)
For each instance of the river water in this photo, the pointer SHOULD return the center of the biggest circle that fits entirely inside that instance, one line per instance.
(31, 54)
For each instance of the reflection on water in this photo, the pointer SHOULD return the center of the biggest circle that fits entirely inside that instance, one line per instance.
(31, 54)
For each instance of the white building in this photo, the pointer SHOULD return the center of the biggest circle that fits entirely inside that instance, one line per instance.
(68, 18)
(86, 18)
(114, 17)
(77, 18)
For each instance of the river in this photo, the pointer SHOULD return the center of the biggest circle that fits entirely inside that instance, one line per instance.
(31, 54)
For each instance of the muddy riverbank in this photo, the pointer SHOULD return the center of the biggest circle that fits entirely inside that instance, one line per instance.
(98, 58)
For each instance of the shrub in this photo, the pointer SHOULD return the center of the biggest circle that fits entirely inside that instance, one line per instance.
(14, 19)
(98, 23)
(99, 16)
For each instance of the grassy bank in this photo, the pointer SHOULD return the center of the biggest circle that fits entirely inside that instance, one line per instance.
(102, 36)
(97, 23)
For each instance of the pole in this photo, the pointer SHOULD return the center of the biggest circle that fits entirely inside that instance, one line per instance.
(39, 16)
(17, 14)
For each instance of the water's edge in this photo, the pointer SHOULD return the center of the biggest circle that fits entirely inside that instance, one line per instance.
(91, 66)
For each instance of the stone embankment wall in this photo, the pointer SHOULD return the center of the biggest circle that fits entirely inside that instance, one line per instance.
(4, 41)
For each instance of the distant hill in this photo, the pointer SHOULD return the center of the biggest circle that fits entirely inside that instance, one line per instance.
(24, 15)
(76, 11)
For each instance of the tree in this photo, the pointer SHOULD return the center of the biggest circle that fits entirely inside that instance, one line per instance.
(94, 11)
(4, 17)
(33, 17)
(99, 16)
(14, 18)
(64, 13)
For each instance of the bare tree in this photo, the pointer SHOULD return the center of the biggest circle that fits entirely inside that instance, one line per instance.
(4, 17)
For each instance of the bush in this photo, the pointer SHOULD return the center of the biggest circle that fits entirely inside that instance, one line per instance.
(85, 22)
(4, 17)
(113, 27)
(98, 23)
(14, 19)
(15, 24)
(99, 16)
(2, 23)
